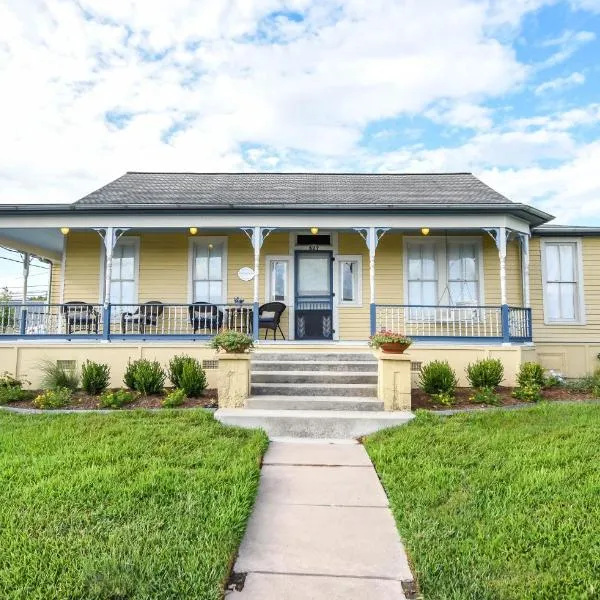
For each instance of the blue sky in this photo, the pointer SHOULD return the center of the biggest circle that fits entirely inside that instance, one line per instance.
(508, 89)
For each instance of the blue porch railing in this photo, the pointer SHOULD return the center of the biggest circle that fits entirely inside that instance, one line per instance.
(120, 321)
(478, 323)
(202, 321)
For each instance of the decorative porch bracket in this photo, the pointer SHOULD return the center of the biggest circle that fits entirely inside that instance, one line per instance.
(110, 236)
(371, 236)
(257, 235)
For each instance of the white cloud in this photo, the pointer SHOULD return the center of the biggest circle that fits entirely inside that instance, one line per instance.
(560, 83)
(461, 114)
(568, 44)
(570, 192)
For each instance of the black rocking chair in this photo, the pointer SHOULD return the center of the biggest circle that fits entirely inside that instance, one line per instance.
(80, 315)
(269, 315)
(204, 315)
(147, 314)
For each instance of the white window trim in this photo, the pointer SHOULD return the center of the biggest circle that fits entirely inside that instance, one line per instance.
(131, 241)
(340, 258)
(442, 263)
(580, 307)
(195, 241)
(288, 284)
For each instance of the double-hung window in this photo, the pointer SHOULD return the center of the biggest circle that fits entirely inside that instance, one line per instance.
(442, 272)
(123, 281)
(209, 270)
(563, 285)
(350, 280)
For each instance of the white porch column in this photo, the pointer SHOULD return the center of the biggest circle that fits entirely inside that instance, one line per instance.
(26, 263)
(524, 239)
(372, 235)
(502, 254)
(500, 236)
(110, 236)
(23, 322)
(257, 236)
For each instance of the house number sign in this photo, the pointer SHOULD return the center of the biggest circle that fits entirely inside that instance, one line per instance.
(246, 274)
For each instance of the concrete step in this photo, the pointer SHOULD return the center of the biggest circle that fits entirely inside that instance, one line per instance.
(314, 403)
(314, 389)
(312, 377)
(330, 424)
(320, 356)
(363, 366)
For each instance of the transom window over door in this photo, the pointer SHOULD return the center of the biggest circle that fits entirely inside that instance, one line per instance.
(443, 272)
(209, 271)
(562, 282)
(123, 282)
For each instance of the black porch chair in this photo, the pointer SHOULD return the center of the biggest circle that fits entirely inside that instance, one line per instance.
(80, 315)
(146, 314)
(269, 315)
(204, 315)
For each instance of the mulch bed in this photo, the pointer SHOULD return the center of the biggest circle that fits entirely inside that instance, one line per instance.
(81, 401)
(422, 400)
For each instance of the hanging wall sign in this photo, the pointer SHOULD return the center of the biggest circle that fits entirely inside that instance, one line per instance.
(246, 274)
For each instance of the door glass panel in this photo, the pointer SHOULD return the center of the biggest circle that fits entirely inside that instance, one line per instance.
(313, 275)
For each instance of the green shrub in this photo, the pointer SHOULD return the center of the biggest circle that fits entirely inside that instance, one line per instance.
(445, 398)
(581, 384)
(187, 373)
(438, 377)
(56, 398)
(531, 372)
(145, 376)
(8, 381)
(55, 377)
(11, 389)
(529, 391)
(116, 399)
(485, 373)
(175, 398)
(193, 379)
(94, 377)
(485, 395)
(129, 377)
(232, 341)
(11, 394)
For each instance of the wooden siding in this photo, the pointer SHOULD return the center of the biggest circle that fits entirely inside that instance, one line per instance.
(82, 267)
(590, 332)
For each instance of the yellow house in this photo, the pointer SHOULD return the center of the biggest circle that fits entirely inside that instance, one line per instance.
(154, 263)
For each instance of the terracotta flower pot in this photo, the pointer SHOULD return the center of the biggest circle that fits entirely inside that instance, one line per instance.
(394, 347)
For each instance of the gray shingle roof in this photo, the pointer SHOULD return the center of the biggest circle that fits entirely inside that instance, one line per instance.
(260, 189)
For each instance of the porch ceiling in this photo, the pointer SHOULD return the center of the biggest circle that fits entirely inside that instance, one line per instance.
(44, 242)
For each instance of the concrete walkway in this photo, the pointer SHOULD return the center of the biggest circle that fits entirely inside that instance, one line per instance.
(321, 529)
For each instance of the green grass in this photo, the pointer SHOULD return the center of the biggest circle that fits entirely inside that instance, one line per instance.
(122, 506)
(503, 505)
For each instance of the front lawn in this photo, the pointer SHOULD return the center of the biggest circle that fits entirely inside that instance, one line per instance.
(502, 505)
(126, 506)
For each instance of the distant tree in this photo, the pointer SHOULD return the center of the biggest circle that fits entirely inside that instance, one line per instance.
(7, 310)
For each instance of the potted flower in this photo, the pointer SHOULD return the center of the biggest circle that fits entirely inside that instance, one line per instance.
(232, 341)
(390, 341)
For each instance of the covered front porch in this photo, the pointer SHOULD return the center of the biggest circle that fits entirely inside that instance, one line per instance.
(462, 279)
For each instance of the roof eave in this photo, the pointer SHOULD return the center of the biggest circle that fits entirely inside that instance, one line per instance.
(530, 214)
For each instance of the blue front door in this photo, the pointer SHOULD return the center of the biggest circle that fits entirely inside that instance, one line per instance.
(314, 295)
